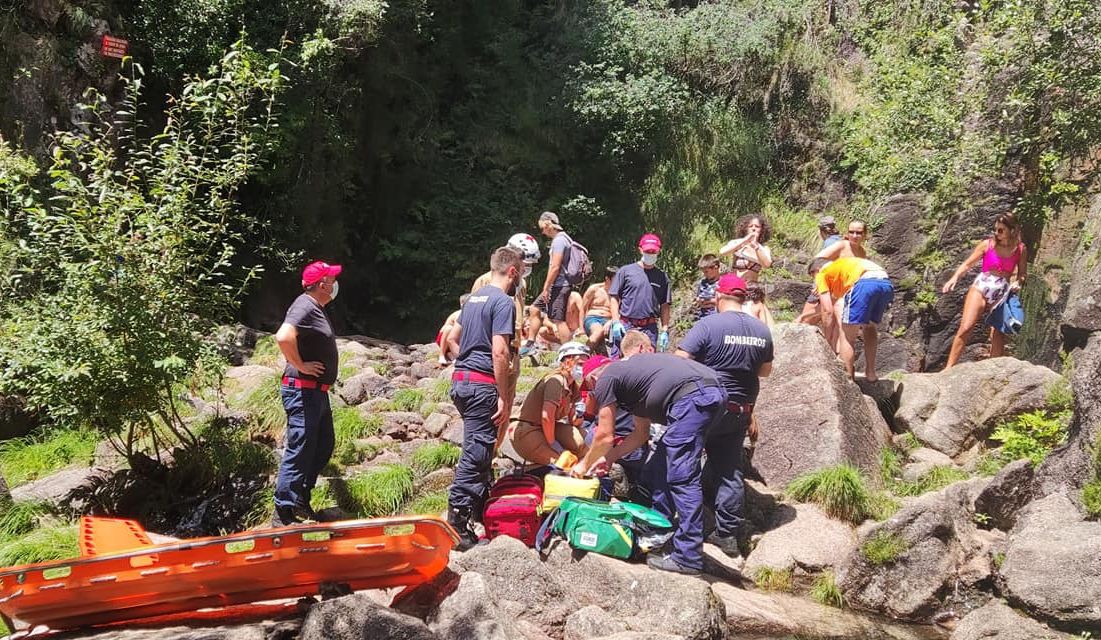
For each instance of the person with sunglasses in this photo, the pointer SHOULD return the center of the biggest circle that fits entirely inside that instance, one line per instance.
(851, 246)
(1004, 268)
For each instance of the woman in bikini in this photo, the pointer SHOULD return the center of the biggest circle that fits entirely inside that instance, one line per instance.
(750, 255)
(1002, 256)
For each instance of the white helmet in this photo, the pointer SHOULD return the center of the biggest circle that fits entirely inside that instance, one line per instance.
(573, 349)
(526, 245)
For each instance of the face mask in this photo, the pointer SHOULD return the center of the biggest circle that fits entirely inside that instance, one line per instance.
(527, 270)
(336, 290)
(649, 259)
(577, 373)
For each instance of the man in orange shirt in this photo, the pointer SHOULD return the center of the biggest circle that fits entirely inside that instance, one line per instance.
(863, 292)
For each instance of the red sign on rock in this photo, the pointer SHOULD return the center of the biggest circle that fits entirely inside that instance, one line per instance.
(114, 47)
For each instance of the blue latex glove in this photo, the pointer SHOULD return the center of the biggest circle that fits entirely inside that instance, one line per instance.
(617, 331)
(663, 341)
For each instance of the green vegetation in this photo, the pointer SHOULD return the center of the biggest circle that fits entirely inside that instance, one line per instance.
(266, 352)
(440, 391)
(771, 579)
(264, 406)
(1091, 493)
(407, 400)
(49, 542)
(883, 547)
(379, 492)
(349, 425)
(35, 456)
(1031, 435)
(825, 591)
(435, 455)
(428, 504)
(121, 253)
(841, 491)
(882, 505)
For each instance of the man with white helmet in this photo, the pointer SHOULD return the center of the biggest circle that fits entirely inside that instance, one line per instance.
(545, 424)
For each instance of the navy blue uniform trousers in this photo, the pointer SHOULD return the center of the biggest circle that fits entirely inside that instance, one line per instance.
(675, 469)
(476, 402)
(723, 471)
(309, 445)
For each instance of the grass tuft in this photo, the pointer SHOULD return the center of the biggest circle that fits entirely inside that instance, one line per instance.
(841, 491)
(407, 400)
(266, 352)
(264, 405)
(46, 543)
(35, 456)
(380, 491)
(825, 591)
(882, 505)
(770, 579)
(431, 504)
(435, 455)
(883, 548)
(440, 391)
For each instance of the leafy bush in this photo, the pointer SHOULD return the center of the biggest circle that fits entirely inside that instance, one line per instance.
(380, 491)
(1031, 435)
(883, 547)
(825, 591)
(771, 579)
(35, 456)
(841, 491)
(121, 253)
(435, 455)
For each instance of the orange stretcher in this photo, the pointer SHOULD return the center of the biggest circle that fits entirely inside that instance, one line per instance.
(121, 575)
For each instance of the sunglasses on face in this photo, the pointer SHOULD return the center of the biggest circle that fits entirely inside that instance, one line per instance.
(855, 233)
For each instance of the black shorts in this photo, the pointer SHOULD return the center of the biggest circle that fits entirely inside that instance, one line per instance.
(555, 308)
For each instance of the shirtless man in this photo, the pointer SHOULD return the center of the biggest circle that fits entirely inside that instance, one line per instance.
(596, 309)
(445, 330)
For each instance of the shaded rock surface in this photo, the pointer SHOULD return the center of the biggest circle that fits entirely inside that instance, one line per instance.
(1007, 493)
(811, 415)
(1070, 466)
(266, 630)
(1052, 564)
(803, 537)
(1083, 309)
(997, 621)
(360, 617)
(943, 550)
(952, 410)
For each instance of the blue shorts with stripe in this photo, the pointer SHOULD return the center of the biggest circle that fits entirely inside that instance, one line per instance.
(867, 301)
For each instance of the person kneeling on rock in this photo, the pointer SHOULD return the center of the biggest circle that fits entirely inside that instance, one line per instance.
(684, 395)
(545, 424)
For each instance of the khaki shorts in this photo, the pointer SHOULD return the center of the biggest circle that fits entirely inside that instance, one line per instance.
(528, 441)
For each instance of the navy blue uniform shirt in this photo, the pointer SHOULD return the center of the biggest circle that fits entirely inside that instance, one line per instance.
(734, 345)
(488, 312)
(646, 384)
(641, 292)
(316, 342)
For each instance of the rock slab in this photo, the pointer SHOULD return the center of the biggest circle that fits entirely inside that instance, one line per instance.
(802, 537)
(953, 410)
(359, 617)
(997, 621)
(810, 414)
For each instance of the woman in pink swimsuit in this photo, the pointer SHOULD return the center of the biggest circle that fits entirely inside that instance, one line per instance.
(1002, 256)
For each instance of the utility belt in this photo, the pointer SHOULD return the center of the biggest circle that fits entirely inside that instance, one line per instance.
(299, 383)
(687, 388)
(473, 376)
(639, 322)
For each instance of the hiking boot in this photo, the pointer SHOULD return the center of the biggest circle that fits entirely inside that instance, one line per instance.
(726, 544)
(459, 519)
(284, 517)
(666, 563)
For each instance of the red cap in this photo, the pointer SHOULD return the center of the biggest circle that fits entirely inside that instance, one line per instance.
(731, 285)
(315, 271)
(592, 364)
(650, 243)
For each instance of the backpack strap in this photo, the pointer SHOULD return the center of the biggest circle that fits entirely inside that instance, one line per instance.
(546, 530)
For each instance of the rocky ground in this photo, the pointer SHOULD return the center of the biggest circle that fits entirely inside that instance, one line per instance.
(976, 556)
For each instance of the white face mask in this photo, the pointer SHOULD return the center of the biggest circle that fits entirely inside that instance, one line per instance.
(336, 290)
(527, 270)
(577, 373)
(649, 259)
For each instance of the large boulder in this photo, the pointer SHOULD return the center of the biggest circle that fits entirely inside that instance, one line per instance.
(803, 538)
(363, 386)
(1052, 564)
(473, 610)
(953, 410)
(1083, 311)
(940, 549)
(546, 593)
(811, 415)
(997, 621)
(54, 487)
(359, 617)
(1071, 466)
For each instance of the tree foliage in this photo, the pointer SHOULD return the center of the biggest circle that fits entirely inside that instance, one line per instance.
(121, 254)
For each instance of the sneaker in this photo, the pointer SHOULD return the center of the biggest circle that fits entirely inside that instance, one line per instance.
(726, 544)
(527, 348)
(666, 563)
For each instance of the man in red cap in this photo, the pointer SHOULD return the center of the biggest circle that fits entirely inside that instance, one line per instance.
(640, 297)
(738, 347)
(307, 341)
